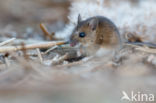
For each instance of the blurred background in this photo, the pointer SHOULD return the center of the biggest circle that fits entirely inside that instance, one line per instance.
(20, 16)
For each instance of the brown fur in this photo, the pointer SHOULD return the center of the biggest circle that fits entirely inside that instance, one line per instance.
(100, 32)
(106, 35)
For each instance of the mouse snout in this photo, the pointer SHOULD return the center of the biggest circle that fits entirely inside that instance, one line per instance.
(73, 40)
(73, 43)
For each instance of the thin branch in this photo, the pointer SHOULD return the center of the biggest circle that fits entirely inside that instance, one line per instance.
(50, 49)
(30, 46)
(7, 62)
(72, 64)
(39, 55)
(51, 36)
(19, 41)
(132, 45)
(7, 42)
(143, 48)
(45, 31)
(60, 59)
(148, 50)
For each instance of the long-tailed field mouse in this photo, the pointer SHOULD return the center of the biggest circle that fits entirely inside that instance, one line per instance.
(95, 33)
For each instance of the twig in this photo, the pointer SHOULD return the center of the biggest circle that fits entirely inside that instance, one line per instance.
(144, 48)
(51, 36)
(19, 41)
(30, 46)
(24, 50)
(60, 59)
(45, 31)
(7, 62)
(148, 50)
(39, 55)
(72, 64)
(7, 42)
(54, 47)
(132, 45)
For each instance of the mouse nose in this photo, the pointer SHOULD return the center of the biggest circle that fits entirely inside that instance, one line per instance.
(72, 42)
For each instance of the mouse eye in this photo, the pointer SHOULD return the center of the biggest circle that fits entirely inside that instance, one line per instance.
(82, 34)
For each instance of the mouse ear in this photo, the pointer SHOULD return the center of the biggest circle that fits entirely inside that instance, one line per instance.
(93, 23)
(79, 19)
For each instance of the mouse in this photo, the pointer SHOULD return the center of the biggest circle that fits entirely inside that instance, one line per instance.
(95, 33)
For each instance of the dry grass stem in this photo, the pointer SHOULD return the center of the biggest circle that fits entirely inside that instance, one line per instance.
(18, 41)
(50, 49)
(146, 49)
(30, 46)
(72, 64)
(7, 42)
(143, 48)
(39, 55)
(7, 62)
(60, 59)
(45, 31)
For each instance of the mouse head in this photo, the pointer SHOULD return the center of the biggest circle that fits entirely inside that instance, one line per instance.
(85, 32)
